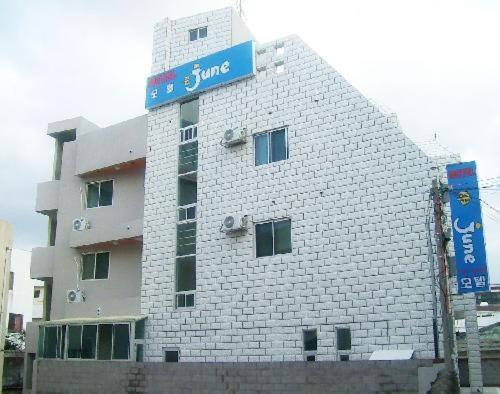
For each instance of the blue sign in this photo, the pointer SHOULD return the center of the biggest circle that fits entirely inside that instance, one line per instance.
(468, 237)
(208, 72)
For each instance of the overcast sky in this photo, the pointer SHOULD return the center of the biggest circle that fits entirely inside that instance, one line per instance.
(435, 63)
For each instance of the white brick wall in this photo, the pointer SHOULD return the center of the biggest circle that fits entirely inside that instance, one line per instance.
(354, 186)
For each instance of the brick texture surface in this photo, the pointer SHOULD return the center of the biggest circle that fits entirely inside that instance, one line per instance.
(354, 186)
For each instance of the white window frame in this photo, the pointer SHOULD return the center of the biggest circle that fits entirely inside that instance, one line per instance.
(185, 207)
(269, 148)
(272, 221)
(188, 134)
(99, 196)
(95, 265)
(197, 30)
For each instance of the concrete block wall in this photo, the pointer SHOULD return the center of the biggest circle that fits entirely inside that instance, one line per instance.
(354, 186)
(466, 304)
(54, 376)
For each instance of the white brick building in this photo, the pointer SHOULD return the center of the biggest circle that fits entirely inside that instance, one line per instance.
(349, 189)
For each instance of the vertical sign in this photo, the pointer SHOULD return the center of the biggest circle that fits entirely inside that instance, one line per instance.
(468, 236)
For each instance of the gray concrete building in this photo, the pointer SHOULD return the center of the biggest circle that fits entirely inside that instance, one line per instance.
(91, 265)
(279, 216)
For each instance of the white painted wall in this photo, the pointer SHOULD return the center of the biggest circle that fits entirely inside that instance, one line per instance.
(354, 186)
(21, 297)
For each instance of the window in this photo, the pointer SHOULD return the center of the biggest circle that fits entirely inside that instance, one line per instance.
(186, 239)
(121, 341)
(105, 341)
(343, 338)
(187, 212)
(280, 49)
(36, 293)
(187, 194)
(187, 190)
(344, 357)
(89, 336)
(280, 67)
(273, 238)
(50, 348)
(140, 328)
(189, 113)
(196, 34)
(185, 281)
(74, 341)
(11, 281)
(271, 146)
(310, 339)
(15, 323)
(99, 194)
(188, 157)
(95, 266)
(52, 229)
(171, 356)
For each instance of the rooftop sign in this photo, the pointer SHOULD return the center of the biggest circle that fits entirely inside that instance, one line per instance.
(208, 72)
(468, 237)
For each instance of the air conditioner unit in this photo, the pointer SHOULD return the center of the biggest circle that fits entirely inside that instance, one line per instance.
(74, 296)
(233, 137)
(80, 224)
(233, 223)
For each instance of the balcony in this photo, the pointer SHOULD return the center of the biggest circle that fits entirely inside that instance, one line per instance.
(42, 263)
(105, 231)
(113, 148)
(47, 197)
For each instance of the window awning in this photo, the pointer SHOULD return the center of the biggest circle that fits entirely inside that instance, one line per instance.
(94, 320)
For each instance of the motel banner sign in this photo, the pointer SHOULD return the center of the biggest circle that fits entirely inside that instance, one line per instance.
(468, 232)
(208, 72)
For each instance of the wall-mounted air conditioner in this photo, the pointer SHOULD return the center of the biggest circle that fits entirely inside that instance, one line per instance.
(234, 137)
(233, 223)
(80, 224)
(74, 296)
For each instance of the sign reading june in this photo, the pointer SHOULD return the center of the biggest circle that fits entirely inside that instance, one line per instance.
(468, 237)
(208, 72)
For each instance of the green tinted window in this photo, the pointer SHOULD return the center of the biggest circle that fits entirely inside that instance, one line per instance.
(92, 195)
(278, 145)
(186, 239)
(189, 113)
(89, 336)
(50, 342)
(106, 193)
(264, 239)
(185, 271)
(74, 341)
(261, 149)
(343, 339)
(121, 341)
(139, 328)
(187, 191)
(102, 265)
(88, 266)
(282, 237)
(188, 157)
(310, 340)
(105, 341)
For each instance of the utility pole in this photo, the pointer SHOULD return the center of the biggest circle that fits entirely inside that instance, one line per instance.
(447, 321)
